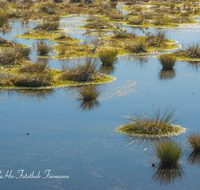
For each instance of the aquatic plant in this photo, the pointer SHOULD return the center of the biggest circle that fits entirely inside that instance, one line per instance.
(3, 18)
(80, 71)
(88, 93)
(47, 25)
(168, 152)
(108, 57)
(42, 48)
(13, 57)
(139, 47)
(156, 124)
(194, 141)
(158, 40)
(193, 51)
(167, 62)
(36, 80)
(38, 67)
(194, 158)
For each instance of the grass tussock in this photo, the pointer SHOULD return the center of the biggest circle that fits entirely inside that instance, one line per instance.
(37, 80)
(193, 51)
(42, 48)
(88, 93)
(157, 123)
(108, 57)
(81, 72)
(14, 57)
(47, 25)
(158, 40)
(139, 47)
(167, 61)
(194, 141)
(123, 34)
(38, 67)
(168, 152)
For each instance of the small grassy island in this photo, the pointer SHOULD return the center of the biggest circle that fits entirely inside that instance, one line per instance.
(192, 53)
(38, 35)
(17, 72)
(157, 125)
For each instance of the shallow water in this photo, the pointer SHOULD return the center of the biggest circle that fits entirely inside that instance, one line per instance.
(78, 140)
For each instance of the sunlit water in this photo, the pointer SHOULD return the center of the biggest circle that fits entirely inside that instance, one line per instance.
(77, 140)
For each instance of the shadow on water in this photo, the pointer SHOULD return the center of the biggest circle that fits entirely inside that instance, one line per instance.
(194, 158)
(166, 176)
(166, 75)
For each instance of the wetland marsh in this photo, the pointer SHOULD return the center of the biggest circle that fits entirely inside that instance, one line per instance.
(71, 130)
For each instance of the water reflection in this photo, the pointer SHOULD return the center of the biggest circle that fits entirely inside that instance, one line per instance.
(194, 158)
(107, 70)
(30, 93)
(167, 176)
(88, 105)
(137, 141)
(194, 65)
(166, 75)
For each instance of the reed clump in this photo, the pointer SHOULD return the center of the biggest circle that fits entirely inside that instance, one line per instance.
(42, 48)
(36, 80)
(108, 57)
(168, 152)
(194, 141)
(167, 61)
(81, 72)
(88, 93)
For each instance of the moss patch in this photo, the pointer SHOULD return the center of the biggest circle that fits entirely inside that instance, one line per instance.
(37, 35)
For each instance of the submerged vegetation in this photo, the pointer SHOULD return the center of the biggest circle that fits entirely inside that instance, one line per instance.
(157, 124)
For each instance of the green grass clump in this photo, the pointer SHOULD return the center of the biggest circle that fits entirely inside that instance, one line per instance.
(47, 25)
(38, 67)
(81, 71)
(168, 152)
(14, 57)
(36, 80)
(139, 47)
(158, 40)
(88, 93)
(108, 57)
(42, 48)
(167, 62)
(194, 141)
(156, 124)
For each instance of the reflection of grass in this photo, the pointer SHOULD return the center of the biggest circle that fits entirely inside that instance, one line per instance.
(194, 158)
(165, 75)
(194, 141)
(167, 152)
(167, 176)
(89, 105)
(159, 123)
